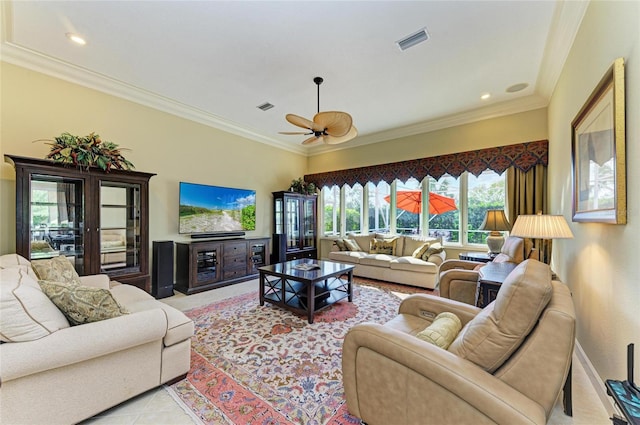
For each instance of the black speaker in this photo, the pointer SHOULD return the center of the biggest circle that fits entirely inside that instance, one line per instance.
(279, 254)
(162, 271)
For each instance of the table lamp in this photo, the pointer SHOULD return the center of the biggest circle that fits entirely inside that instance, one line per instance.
(496, 221)
(544, 227)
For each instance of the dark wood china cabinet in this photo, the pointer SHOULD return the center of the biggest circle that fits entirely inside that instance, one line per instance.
(98, 220)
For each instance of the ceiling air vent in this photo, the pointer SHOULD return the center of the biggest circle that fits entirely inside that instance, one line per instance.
(413, 39)
(265, 106)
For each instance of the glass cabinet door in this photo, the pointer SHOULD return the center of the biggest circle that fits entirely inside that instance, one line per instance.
(119, 227)
(308, 223)
(278, 217)
(292, 230)
(56, 215)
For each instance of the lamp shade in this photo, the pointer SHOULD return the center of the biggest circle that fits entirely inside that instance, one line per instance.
(495, 220)
(541, 226)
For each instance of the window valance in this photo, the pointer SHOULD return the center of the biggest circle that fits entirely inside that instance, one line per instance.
(522, 156)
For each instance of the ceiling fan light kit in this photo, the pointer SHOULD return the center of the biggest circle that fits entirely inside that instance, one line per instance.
(331, 127)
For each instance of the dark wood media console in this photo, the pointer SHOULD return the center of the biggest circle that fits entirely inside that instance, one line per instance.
(204, 265)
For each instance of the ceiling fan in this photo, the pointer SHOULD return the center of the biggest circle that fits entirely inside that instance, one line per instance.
(331, 127)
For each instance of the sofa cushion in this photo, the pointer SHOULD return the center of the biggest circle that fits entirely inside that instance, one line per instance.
(442, 331)
(56, 269)
(499, 329)
(82, 304)
(377, 260)
(26, 312)
(413, 264)
(179, 326)
(363, 241)
(17, 261)
(352, 257)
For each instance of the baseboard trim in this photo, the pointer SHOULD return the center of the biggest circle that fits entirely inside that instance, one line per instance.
(594, 378)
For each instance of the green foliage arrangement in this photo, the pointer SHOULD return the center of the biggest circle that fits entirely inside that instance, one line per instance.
(300, 186)
(87, 151)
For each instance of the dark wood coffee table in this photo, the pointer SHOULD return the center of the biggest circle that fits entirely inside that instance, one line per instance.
(306, 291)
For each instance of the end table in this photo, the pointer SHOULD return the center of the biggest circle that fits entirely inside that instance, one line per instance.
(482, 257)
(491, 277)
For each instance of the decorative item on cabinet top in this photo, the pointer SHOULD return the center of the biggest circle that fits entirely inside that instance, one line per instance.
(300, 186)
(87, 151)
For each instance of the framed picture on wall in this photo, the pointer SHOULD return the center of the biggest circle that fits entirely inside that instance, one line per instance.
(598, 152)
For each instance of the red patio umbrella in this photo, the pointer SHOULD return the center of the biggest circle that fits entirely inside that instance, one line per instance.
(411, 201)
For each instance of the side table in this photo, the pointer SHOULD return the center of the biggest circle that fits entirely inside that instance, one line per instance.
(482, 257)
(491, 277)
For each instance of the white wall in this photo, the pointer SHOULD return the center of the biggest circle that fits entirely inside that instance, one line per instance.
(35, 106)
(601, 264)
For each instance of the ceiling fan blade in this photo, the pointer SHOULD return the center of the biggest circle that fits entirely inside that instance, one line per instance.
(310, 140)
(334, 123)
(294, 132)
(303, 122)
(351, 134)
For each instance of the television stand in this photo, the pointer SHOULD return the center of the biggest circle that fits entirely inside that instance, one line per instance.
(210, 264)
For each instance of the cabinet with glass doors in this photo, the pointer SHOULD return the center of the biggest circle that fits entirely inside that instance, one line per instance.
(98, 220)
(294, 218)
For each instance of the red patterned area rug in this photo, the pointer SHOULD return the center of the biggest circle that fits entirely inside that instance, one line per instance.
(253, 364)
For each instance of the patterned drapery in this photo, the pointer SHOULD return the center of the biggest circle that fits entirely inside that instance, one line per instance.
(522, 156)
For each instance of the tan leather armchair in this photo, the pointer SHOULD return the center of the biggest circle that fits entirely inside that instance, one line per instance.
(458, 279)
(486, 376)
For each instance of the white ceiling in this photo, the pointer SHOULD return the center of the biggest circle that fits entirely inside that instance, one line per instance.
(216, 61)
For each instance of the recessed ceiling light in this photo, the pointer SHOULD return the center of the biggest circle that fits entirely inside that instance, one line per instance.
(517, 87)
(485, 96)
(76, 38)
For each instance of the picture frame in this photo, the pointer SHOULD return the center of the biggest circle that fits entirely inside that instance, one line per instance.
(598, 152)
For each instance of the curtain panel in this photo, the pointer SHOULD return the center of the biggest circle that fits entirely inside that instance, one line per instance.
(522, 156)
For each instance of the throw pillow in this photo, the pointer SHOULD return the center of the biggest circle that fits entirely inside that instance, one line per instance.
(419, 251)
(434, 248)
(378, 246)
(351, 245)
(442, 331)
(26, 312)
(57, 269)
(82, 304)
(340, 244)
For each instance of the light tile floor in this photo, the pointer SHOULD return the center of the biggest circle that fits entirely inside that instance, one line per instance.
(157, 406)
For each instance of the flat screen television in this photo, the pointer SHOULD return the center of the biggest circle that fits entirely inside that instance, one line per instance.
(206, 209)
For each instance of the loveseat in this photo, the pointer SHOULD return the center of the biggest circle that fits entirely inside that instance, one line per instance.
(400, 259)
(54, 372)
(507, 364)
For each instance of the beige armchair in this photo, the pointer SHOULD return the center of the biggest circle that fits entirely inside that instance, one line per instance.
(458, 279)
(506, 366)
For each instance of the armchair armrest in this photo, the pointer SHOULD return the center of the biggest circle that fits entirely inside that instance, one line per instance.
(429, 306)
(459, 264)
(386, 373)
(96, 281)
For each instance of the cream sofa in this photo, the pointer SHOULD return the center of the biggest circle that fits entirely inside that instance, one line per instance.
(507, 365)
(399, 267)
(70, 373)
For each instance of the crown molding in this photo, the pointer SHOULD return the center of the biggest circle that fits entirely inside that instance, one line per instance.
(510, 107)
(35, 61)
(566, 22)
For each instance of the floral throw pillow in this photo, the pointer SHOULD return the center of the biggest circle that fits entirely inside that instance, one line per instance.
(82, 304)
(56, 269)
